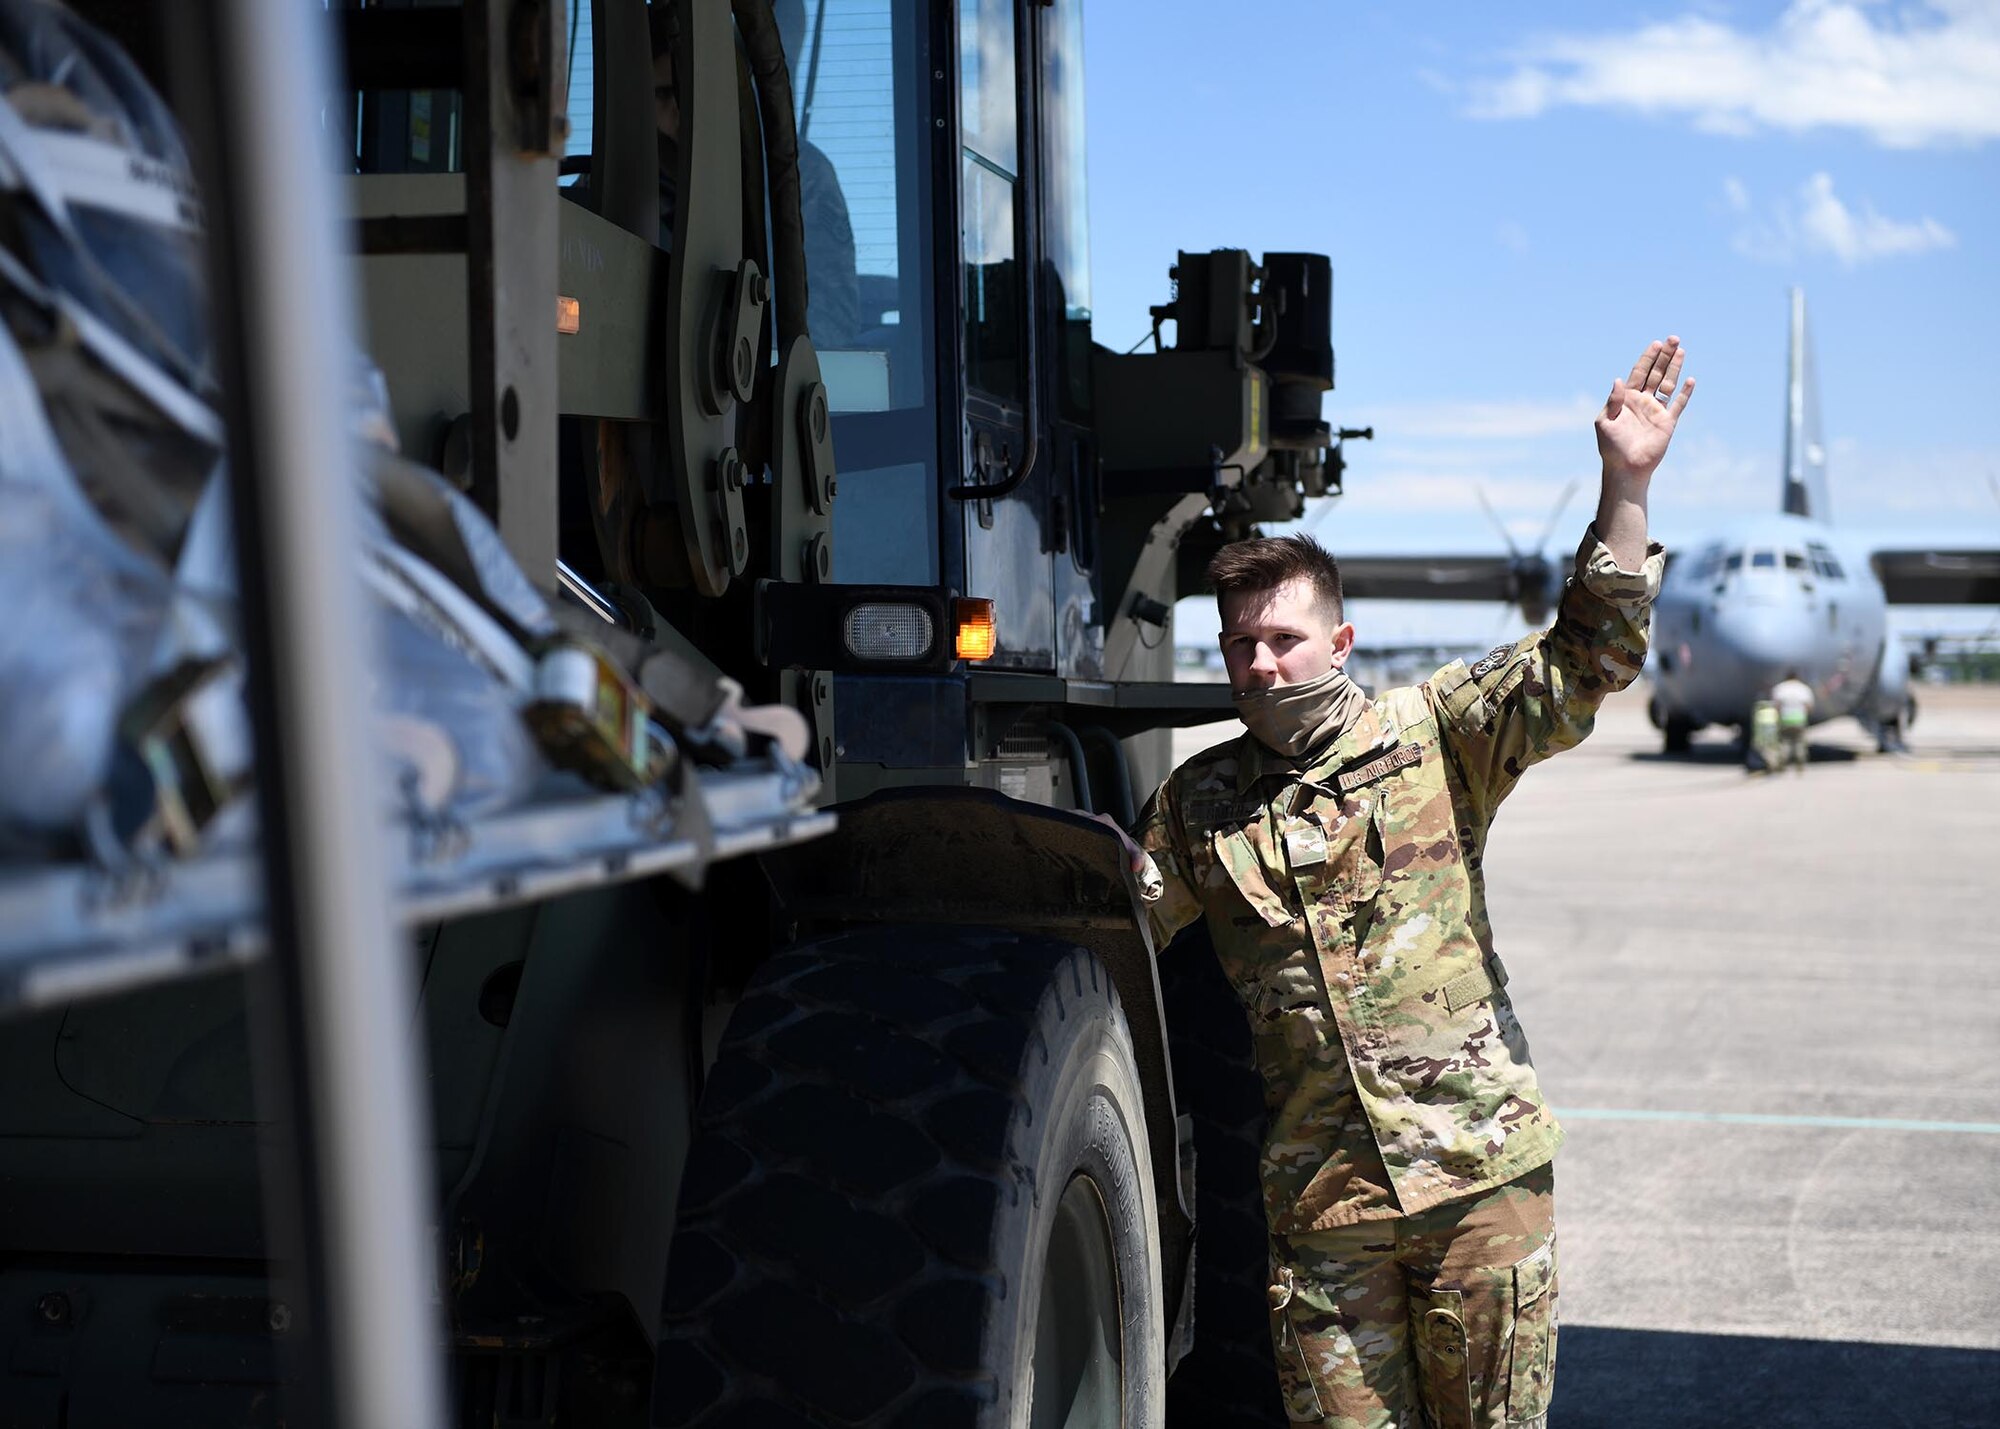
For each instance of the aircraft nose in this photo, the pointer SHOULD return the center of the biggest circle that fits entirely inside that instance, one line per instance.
(1762, 642)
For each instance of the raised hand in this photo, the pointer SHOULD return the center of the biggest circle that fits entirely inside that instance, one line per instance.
(1638, 418)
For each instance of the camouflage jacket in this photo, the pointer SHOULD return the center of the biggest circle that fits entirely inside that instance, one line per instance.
(1346, 902)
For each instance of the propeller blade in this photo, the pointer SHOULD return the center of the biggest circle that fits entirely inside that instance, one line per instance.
(1562, 505)
(1513, 551)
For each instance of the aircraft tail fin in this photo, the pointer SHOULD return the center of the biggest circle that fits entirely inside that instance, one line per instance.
(1805, 452)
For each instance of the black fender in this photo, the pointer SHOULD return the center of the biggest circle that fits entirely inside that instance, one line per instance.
(978, 858)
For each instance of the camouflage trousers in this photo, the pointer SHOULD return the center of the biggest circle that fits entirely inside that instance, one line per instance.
(1441, 1320)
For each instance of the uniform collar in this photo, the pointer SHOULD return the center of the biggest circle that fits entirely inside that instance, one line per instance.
(1375, 728)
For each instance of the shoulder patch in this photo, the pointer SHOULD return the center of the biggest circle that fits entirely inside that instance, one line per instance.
(1492, 660)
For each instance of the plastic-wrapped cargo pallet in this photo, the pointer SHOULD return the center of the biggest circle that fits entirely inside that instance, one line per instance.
(124, 739)
(122, 714)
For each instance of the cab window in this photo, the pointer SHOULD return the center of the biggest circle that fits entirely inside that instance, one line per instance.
(1065, 214)
(988, 167)
(1764, 561)
(865, 194)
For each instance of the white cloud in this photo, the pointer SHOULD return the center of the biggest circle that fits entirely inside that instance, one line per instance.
(1831, 226)
(1524, 502)
(1485, 421)
(1907, 76)
(1873, 488)
(1955, 486)
(1819, 221)
(1706, 478)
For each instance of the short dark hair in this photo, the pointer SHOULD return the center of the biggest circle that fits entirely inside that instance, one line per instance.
(1266, 562)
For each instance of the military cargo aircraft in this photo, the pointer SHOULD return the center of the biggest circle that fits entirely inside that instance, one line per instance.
(1756, 599)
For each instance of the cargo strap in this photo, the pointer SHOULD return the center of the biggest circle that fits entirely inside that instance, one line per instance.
(183, 757)
(591, 718)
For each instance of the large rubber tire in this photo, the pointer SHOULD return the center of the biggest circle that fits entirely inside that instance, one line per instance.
(919, 1192)
(1227, 1380)
(1677, 734)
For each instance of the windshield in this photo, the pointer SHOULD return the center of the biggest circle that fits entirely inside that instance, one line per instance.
(860, 103)
(864, 197)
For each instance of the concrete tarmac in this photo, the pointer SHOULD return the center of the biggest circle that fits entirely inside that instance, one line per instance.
(1767, 1010)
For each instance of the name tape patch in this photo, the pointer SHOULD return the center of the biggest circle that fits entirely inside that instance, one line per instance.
(1210, 813)
(1401, 757)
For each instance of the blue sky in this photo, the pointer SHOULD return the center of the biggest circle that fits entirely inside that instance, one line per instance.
(1513, 206)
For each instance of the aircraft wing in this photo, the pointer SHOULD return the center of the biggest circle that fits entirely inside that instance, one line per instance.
(1428, 577)
(1937, 577)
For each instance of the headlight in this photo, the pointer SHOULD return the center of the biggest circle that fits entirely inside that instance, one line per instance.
(881, 630)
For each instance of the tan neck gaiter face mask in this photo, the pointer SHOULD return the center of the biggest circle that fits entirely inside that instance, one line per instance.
(1296, 719)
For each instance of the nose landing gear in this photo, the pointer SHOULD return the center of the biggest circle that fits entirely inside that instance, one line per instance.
(1677, 729)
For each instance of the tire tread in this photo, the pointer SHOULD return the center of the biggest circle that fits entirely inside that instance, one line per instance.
(911, 1162)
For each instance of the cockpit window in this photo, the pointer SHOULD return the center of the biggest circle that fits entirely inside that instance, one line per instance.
(1794, 561)
(1764, 561)
(1735, 561)
(1825, 565)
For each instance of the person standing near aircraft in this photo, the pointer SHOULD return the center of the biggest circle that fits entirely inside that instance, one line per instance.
(1794, 699)
(1765, 751)
(1335, 853)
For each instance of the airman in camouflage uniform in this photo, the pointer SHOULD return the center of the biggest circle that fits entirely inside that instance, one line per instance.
(1406, 1167)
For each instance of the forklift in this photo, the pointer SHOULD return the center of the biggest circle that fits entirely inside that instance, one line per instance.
(791, 1049)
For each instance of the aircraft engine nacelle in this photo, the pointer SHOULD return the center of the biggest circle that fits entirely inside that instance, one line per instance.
(1538, 584)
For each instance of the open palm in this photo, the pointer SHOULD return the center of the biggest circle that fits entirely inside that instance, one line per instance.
(1638, 418)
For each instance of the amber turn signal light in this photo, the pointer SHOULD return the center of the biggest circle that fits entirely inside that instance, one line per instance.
(976, 637)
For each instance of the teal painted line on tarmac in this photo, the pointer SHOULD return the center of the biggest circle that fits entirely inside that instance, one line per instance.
(1747, 1118)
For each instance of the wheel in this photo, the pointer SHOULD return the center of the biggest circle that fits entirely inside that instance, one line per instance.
(1678, 733)
(1889, 737)
(1227, 1380)
(919, 1194)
